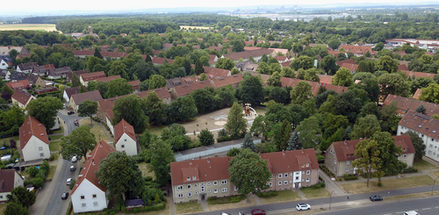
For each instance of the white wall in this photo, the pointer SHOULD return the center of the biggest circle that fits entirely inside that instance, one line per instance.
(129, 145)
(88, 189)
(431, 144)
(32, 149)
(66, 98)
(110, 126)
(3, 65)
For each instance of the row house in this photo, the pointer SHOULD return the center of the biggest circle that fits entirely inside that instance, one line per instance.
(9, 179)
(315, 86)
(357, 50)
(405, 105)
(125, 138)
(426, 127)
(209, 177)
(245, 55)
(341, 154)
(84, 78)
(34, 142)
(79, 98)
(21, 98)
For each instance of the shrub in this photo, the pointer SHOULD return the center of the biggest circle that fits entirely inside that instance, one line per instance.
(319, 185)
(267, 194)
(327, 171)
(350, 177)
(410, 170)
(225, 200)
(320, 159)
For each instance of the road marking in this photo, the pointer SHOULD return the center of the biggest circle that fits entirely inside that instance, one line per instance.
(424, 209)
(436, 207)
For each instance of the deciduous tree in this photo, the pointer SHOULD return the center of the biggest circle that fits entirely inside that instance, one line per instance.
(78, 143)
(301, 93)
(22, 196)
(88, 108)
(343, 77)
(161, 155)
(206, 137)
(44, 109)
(368, 158)
(250, 90)
(118, 87)
(365, 127)
(236, 125)
(130, 109)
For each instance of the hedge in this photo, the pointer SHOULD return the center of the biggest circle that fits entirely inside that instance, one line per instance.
(267, 194)
(350, 177)
(225, 200)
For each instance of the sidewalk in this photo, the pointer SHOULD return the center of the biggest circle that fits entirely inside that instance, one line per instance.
(331, 186)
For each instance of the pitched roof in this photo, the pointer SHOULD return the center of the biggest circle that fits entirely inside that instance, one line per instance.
(350, 66)
(7, 179)
(418, 74)
(410, 104)
(185, 89)
(27, 66)
(325, 79)
(123, 127)
(92, 76)
(162, 93)
(421, 123)
(135, 84)
(345, 150)
(160, 60)
(83, 52)
(107, 79)
(91, 165)
(357, 49)
(417, 93)
(208, 169)
(291, 161)
(18, 84)
(21, 96)
(247, 54)
(91, 95)
(230, 80)
(77, 73)
(72, 91)
(32, 127)
(212, 72)
(292, 82)
(60, 71)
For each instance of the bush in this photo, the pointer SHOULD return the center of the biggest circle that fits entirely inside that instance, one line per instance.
(72, 184)
(350, 177)
(52, 157)
(267, 194)
(225, 200)
(380, 184)
(321, 159)
(223, 139)
(319, 185)
(327, 171)
(156, 207)
(410, 170)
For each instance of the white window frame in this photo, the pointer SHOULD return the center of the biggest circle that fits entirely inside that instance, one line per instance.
(307, 180)
(189, 186)
(194, 178)
(286, 175)
(224, 190)
(215, 182)
(180, 187)
(279, 183)
(215, 190)
(188, 178)
(280, 175)
(308, 172)
(189, 194)
(285, 182)
(224, 182)
(180, 195)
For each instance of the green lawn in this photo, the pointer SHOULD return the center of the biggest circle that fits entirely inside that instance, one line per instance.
(144, 168)
(188, 207)
(2, 208)
(54, 138)
(54, 146)
(6, 140)
(52, 171)
(282, 196)
(313, 193)
(226, 200)
(59, 131)
(421, 165)
(388, 184)
(157, 130)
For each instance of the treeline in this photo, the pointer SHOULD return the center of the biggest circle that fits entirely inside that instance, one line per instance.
(21, 38)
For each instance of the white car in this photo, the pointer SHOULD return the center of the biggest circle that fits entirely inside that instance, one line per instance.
(411, 213)
(74, 159)
(303, 207)
(69, 181)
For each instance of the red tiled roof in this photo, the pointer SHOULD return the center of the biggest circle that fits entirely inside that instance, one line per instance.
(286, 64)
(91, 95)
(421, 123)
(123, 127)
(325, 79)
(208, 169)
(83, 52)
(247, 48)
(280, 58)
(113, 54)
(291, 161)
(350, 66)
(230, 80)
(345, 150)
(92, 76)
(72, 91)
(32, 127)
(135, 84)
(18, 84)
(185, 89)
(247, 54)
(107, 79)
(162, 93)
(345, 61)
(91, 165)
(213, 72)
(315, 86)
(357, 49)
(418, 74)
(417, 93)
(410, 104)
(333, 53)
(21, 96)
(7, 180)
(160, 60)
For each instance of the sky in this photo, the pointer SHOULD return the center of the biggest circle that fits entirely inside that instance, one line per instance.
(39, 6)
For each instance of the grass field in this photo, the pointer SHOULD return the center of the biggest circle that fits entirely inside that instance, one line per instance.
(186, 27)
(188, 207)
(312, 193)
(28, 27)
(421, 165)
(282, 196)
(144, 168)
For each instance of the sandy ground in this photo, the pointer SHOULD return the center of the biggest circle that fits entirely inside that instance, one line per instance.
(30, 27)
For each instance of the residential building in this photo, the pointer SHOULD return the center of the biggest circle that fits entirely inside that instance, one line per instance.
(256, 54)
(88, 194)
(357, 50)
(84, 78)
(232, 80)
(107, 79)
(125, 138)
(9, 179)
(21, 98)
(405, 105)
(34, 142)
(209, 177)
(5, 62)
(79, 98)
(135, 84)
(59, 73)
(68, 92)
(315, 86)
(212, 72)
(18, 85)
(341, 154)
(26, 67)
(186, 89)
(426, 127)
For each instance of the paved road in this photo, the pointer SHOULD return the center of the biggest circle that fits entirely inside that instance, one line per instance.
(56, 205)
(290, 206)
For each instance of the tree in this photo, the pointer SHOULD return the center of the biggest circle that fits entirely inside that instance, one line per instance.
(120, 174)
(154, 108)
(418, 143)
(301, 93)
(78, 143)
(394, 84)
(204, 100)
(328, 64)
(343, 77)
(430, 93)
(156, 81)
(365, 127)
(22, 196)
(368, 158)
(250, 90)
(287, 72)
(389, 118)
(274, 80)
(421, 109)
(367, 66)
(130, 109)
(13, 208)
(199, 67)
(160, 155)
(88, 108)
(225, 63)
(44, 109)
(248, 172)
(389, 154)
(334, 43)
(387, 63)
(248, 143)
(11, 120)
(282, 135)
(236, 125)
(75, 81)
(117, 67)
(293, 142)
(310, 132)
(98, 54)
(206, 137)
(175, 135)
(302, 62)
(182, 109)
(118, 87)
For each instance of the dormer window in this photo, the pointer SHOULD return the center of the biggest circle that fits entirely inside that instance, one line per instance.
(307, 164)
(188, 178)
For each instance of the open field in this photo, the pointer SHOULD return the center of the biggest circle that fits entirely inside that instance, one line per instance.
(97, 129)
(421, 165)
(187, 27)
(282, 196)
(2, 208)
(188, 207)
(388, 184)
(28, 27)
(312, 193)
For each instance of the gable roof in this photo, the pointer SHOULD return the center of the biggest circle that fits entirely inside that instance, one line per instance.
(345, 150)
(247, 54)
(186, 89)
(21, 96)
(123, 127)
(356, 49)
(77, 73)
(7, 179)
(418, 74)
(107, 79)
(135, 84)
(225, 81)
(325, 79)
(18, 84)
(410, 104)
(208, 169)
(91, 95)
(212, 72)
(417, 93)
(72, 91)
(91, 165)
(421, 123)
(27, 66)
(291, 161)
(32, 127)
(92, 76)
(160, 60)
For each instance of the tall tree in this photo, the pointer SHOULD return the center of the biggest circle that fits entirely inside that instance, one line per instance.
(365, 127)
(274, 80)
(117, 67)
(343, 77)
(118, 87)
(161, 155)
(302, 62)
(225, 63)
(430, 93)
(389, 154)
(44, 109)
(250, 90)
(328, 64)
(236, 125)
(154, 108)
(368, 158)
(394, 84)
(88, 108)
(120, 174)
(248, 143)
(13, 208)
(248, 172)
(199, 67)
(310, 132)
(282, 135)
(130, 109)
(98, 53)
(156, 81)
(418, 143)
(204, 100)
(78, 143)
(293, 142)
(301, 93)
(10, 121)
(182, 109)
(206, 137)
(387, 63)
(22, 196)
(175, 135)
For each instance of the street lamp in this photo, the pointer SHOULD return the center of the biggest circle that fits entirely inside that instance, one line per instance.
(432, 187)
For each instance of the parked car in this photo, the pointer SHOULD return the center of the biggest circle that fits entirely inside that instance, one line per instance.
(72, 168)
(65, 195)
(69, 181)
(70, 112)
(74, 159)
(224, 213)
(258, 212)
(303, 207)
(375, 198)
(76, 122)
(411, 213)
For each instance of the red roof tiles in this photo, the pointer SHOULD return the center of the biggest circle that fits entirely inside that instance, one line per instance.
(21, 96)
(92, 76)
(185, 89)
(357, 50)
(32, 127)
(123, 127)
(208, 169)
(7, 180)
(107, 79)
(213, 72)
(233, 80)
(91, 95)
(291, 161)
(421, 123)
(247, 54)
(410, 104)
(22, 84)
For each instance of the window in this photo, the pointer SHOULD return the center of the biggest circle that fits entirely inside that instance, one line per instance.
(82, 197)
(1, 197)
(285, 182)
(235, 189)
(180, 187)
(348, 163)
(83, 205)
(41, 154)
(280, 176)
(308, 172)
(224, 190)
(180, 195)
(40, 148)
(189, 186)
(188, 178)
(189, 194)
(286, 175)
(208, 183)
(307, 179)
(95, 204)
(307, 164)
(271, 184)
(94, 196)
(123, 146)
(125, 140)
(405, 155)
(224, 182)
(215, 191)
(279, 183)
(215, 183)
(297, 177)
(194, 178)
(203, 188)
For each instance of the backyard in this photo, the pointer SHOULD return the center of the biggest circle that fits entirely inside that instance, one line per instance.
(98, 130)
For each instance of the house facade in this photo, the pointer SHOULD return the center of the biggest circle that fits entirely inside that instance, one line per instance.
(68, 92)
(87, 77)
(204, 178)
(10, 179)
(34, 142)
(341, 154)
(125, 138)
(21, 98)
(426, 127)
(79, 98)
